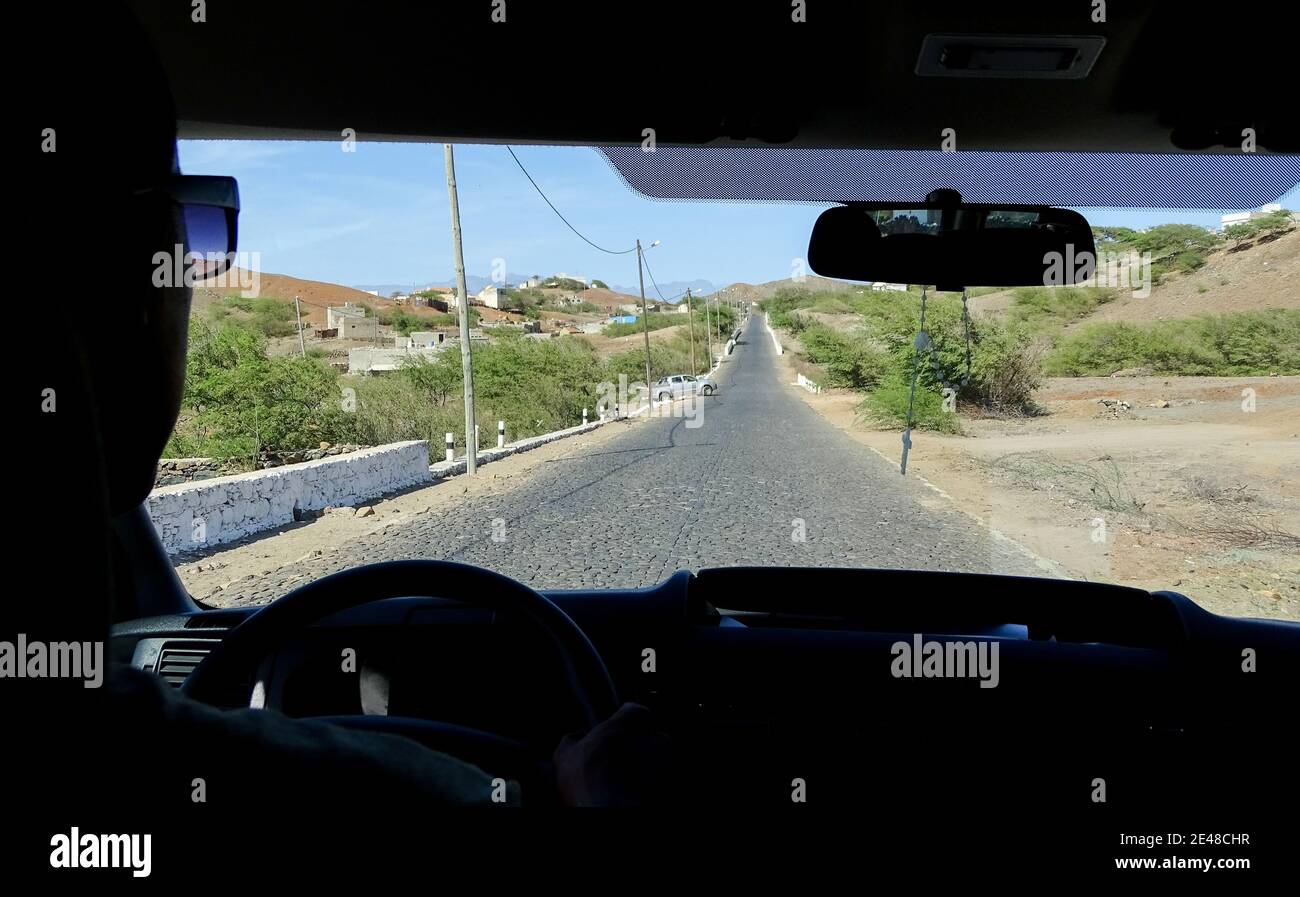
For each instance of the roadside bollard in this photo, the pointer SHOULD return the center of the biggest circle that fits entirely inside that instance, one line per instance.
(501, 434)
(451, 446)
(584, 417)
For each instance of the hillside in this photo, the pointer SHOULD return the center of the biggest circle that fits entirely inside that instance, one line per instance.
(749, 292)
(606, 346)
(1254, 277)
(608, 300)
(316, 296)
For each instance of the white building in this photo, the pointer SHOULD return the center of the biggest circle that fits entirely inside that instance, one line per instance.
(881, 286)
(490, 296)
(366, 360)
(354, 327)
(427, 339)
(1228, 220)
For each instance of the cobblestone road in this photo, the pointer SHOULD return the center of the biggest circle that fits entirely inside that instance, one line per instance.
(664, 496)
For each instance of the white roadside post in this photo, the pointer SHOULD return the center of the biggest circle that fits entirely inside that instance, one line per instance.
(451, 446)
(584, 417)
(501, 434)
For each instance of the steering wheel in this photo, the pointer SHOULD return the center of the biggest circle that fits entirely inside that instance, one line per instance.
(236, 658)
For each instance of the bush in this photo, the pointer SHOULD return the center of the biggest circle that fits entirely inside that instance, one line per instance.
(656, 321)
(1006, 370)
(403, 321)
(270, 317)
(536, 387)
(887, 405)
(238, 401)
(1272, 223)
(1005, 357)
(1173, 247)
(1044, 308)
(849, 361)
(1246, 343)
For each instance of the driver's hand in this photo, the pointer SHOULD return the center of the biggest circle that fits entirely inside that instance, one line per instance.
(619, 763)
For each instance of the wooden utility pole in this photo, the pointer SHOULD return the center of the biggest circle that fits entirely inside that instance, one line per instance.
(466, 356)
(708, 328)
(645, 324)
(297, 321)
(690, 316)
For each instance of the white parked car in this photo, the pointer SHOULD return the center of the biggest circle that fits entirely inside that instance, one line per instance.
(679, 385)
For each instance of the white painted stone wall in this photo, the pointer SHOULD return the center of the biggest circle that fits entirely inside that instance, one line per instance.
(223, 509)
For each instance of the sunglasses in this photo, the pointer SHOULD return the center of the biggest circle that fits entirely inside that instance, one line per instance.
(210, 209)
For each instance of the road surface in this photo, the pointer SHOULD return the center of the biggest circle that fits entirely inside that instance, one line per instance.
(764, 480)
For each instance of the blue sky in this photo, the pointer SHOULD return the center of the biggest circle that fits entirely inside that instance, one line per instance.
(380, 215)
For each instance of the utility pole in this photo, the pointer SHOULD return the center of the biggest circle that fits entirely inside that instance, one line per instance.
(645, 323)
(708, 328)
(466, 357)
(297, 321)
(690, 316)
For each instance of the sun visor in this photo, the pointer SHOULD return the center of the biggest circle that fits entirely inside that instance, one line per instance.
(1078, 180)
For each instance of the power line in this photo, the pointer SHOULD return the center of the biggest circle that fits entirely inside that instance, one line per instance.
(652, 278)
(557, 211)
(656, 286)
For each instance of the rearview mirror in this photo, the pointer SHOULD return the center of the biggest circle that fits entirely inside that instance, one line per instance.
(952, 244)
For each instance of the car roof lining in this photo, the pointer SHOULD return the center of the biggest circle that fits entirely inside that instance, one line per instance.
(298, 70)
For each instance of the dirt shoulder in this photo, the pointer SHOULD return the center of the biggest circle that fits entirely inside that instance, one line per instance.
(1182, 488)
(206, 575)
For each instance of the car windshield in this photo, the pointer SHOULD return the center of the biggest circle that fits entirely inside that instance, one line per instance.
(1140, 429)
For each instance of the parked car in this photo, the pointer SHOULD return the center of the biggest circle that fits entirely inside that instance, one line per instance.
(679, 385)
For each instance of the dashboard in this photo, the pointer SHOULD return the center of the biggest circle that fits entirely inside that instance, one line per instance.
(741, 674)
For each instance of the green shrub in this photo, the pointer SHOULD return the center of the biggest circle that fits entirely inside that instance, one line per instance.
(403, 321)
(1044, 308)
(1245, 343)
(850, 361)
(887, 405)
(270, 317)
(1272, 223)
(1005, 357)
(656, 321)
(238, 400)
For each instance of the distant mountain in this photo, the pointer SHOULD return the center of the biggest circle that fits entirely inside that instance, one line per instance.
(670, 290)
(385, 289)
